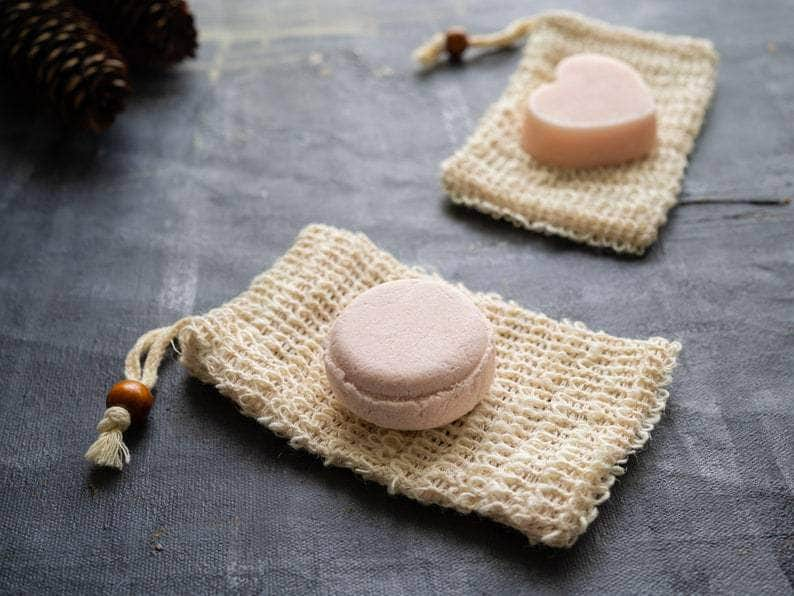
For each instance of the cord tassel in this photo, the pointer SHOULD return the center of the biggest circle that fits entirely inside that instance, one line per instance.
(455, 41)
(129, 401)
(109, 449)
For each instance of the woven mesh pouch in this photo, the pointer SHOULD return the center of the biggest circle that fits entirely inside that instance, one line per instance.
(621, 207)
(567, 406)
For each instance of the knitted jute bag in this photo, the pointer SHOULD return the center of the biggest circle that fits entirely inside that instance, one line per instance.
(540, 453)
(621, 207)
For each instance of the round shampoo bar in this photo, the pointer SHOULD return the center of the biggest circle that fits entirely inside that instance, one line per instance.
(597, 112)
(410, 355)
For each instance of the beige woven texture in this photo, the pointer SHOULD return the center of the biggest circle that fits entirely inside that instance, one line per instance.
(621, 207)
(539, 454)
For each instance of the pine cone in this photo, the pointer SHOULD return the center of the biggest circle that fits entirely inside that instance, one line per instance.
(150, 32)
(57, 53)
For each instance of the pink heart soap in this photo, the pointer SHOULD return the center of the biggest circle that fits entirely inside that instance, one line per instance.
(597, 112)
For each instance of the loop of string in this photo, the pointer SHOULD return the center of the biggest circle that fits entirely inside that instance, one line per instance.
(428, 53)
(515, 31)
(109, 448)
(154, 345)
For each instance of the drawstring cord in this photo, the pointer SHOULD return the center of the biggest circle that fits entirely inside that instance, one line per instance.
(153, 345)
(130, 400)
(455, 41)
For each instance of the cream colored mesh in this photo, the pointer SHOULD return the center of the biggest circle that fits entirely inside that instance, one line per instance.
(567, 406)
(621, 207)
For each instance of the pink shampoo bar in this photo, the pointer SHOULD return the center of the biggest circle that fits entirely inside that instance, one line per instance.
(410, 355)
(597, 112)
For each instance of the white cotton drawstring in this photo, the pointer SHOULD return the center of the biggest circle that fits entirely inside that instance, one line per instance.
(455, 41)
(124, 400)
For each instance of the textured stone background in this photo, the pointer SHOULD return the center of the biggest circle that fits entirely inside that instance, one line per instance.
(296, 112)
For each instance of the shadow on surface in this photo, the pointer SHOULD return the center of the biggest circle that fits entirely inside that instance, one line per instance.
(506, 231)
(36, 140)
(483, 58)
(372, 500)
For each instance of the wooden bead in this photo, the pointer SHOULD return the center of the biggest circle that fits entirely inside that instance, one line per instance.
(456, 43)
(133, 396)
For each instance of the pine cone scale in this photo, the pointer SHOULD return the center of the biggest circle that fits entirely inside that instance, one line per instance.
(149, 32)
(63, 53)
(50, 48)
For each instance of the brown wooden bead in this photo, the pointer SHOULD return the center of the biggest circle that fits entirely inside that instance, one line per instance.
(133, 396)
(456, 43)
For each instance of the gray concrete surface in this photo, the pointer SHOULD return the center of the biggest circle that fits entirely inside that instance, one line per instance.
(296, 112)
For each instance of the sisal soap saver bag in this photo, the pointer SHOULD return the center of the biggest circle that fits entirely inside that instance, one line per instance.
(621, 207)
(539, 453)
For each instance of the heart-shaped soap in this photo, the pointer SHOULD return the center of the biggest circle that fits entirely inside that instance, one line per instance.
(597, 112)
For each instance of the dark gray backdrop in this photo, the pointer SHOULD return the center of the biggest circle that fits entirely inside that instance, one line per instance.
(296, 112)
